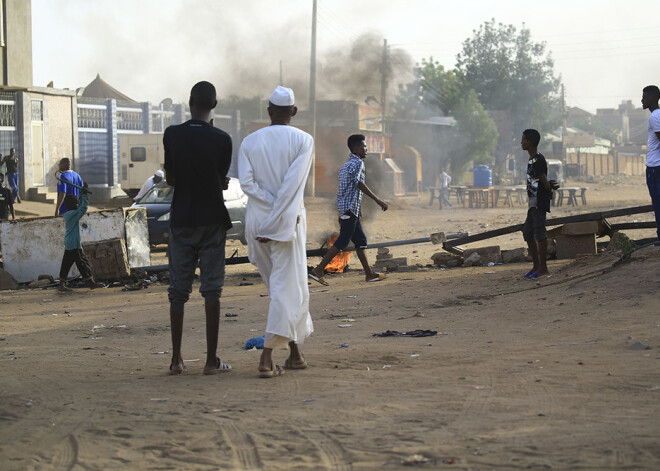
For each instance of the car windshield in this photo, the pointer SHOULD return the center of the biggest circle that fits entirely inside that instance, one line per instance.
(158, 194)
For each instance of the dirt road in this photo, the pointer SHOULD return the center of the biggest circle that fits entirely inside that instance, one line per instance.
(553, 374)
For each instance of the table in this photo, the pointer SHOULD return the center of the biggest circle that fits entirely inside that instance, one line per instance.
(570, 194)
(459, 191)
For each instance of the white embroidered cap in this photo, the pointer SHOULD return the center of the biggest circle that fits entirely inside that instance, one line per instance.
(282, 96)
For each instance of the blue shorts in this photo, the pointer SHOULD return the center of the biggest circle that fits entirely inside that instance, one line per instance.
(187, 246)
(350, 229)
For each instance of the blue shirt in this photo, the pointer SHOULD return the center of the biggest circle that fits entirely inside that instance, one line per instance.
(71, 177)
(71, 218)
(349, 196)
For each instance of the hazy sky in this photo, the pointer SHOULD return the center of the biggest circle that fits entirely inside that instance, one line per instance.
(604, 50)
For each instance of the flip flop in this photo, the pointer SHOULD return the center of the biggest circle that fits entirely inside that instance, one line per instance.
(379, 277)
(177, 372)
(290, 365)
(533, 276)
(275, 371)
(318, 279)
(529, 273)
(219, 368)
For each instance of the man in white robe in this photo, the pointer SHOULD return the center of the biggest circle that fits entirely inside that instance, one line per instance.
(273, 165)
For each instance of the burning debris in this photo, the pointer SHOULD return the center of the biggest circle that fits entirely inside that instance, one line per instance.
(339, 263)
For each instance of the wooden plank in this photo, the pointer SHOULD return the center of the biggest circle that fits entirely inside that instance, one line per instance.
(550, 222)
(634, 225)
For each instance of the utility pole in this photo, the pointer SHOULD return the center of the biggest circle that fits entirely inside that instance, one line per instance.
(383, 84)
(312, 100)
(563, 124)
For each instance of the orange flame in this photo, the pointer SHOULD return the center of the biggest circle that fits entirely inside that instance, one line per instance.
(337, 264)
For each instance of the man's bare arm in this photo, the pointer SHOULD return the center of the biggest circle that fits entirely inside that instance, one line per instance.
(549, 185)
(365, 189)
(60, 200)
(169, 177)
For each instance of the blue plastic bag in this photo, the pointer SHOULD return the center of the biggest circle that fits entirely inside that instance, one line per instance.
(255, 342)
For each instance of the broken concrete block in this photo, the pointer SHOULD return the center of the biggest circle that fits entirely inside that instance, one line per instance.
(383, 251)
(454, 263)
(580, 228)
(108, 259)
(7, 281)
(487, 254)
(39, 283)
(514, 256)
(472, 260)
(571, 246)
(445, 258)
(392, 263)
(46, 277)
(384, 256)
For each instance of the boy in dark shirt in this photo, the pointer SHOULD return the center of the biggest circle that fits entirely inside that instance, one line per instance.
(6, 201)
(73, 252)
(539, 192)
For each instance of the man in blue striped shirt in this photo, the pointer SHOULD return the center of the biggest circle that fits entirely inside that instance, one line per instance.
(349, 201)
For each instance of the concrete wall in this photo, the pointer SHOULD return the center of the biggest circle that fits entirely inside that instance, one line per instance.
(59, 131)
(16, 61)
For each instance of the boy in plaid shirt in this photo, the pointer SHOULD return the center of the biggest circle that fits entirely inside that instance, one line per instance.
(349, 202)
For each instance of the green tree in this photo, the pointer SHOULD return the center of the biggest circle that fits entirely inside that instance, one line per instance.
(433, 89)
(511, 73)
(478, 134)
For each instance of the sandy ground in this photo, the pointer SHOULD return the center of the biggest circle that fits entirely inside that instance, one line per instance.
(521, 375)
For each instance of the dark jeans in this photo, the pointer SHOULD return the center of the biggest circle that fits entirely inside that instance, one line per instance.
(350, 229)
(653, 182)
(78, 257)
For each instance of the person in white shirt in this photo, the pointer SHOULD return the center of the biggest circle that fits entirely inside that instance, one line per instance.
(273, 165)
(149, 184)
(650, 98)
(445, 180)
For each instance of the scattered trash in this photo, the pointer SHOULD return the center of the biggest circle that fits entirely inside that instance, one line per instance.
(28, 404)
(318, 290)
(414, 460)
(255, 342)
(462, 377)
(489, 272)
(98, 327)
(414, 355)
(46, 300)
(491, 264)
(348, 320)
(54, 314)
(263, 295)
(245, 283)
(345, 325)
(230, 314)
(344, 345)
(412, 333)
(351, 296)
(308, 400)
(159, 399)
(387, 366)
(368, 369)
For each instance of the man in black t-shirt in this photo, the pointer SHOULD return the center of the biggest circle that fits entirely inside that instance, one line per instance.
(539, 193)
(197, 159)
(6, 202)
(11, 161)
